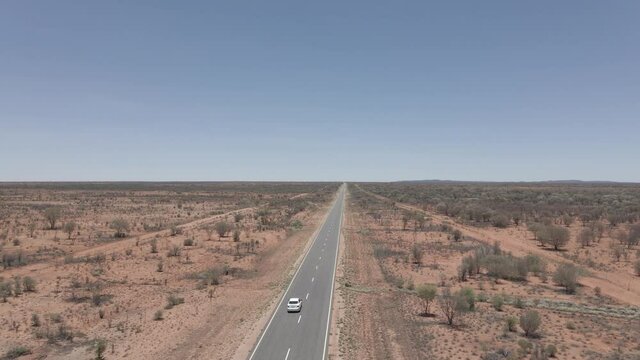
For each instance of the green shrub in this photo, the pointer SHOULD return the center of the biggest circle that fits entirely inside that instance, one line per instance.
(500, 221)
(17, 352)
(101, 347)
(297, 224)
(470, 297)
(427, 293)
(506, 267)
(511, 322)
(566, 275)
(497, 302)
(172, 301)
(35, 320)
(29, 284)
(6, 289)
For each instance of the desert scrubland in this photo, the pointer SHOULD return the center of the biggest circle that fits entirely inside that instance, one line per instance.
(147, 270)
(490, 271)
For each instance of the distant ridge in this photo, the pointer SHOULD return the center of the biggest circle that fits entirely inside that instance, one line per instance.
(559, 182)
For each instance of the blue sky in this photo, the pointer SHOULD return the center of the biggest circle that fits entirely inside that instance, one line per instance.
(324, 90)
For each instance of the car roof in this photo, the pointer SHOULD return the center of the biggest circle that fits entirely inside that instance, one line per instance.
(294, 299)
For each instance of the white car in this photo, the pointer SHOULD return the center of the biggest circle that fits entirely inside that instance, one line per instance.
(294, 305)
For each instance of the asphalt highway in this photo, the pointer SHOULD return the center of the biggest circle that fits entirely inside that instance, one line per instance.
(303, 335)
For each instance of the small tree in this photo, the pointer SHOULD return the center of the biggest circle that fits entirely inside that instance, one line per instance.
(236, 235)
(630, 238)
(121, 226)
(69, 227)
(567, 220)
(555, 236)
(457, 235)
(530, 322)
(586, 237)
(427, 293)
(566, 275)
(222, 228)
(52, 215)
(598, 229)
(452, 305)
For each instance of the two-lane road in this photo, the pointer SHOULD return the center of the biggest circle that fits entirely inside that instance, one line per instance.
(303, 336)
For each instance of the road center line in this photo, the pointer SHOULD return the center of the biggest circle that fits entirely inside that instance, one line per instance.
(313, 278)
(307, 297)
(286, 357)
(299, 317)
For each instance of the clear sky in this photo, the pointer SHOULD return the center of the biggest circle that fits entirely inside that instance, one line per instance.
(319, 90)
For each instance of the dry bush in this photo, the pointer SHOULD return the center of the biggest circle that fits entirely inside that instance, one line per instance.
(174, 251)
(222, 228)
(121, 226)
(172, 301)
(530, 322)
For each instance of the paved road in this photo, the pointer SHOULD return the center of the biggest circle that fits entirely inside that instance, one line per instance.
(303, 336)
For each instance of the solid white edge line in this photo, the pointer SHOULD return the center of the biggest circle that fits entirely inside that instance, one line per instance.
(264, 331)
(333, 283)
